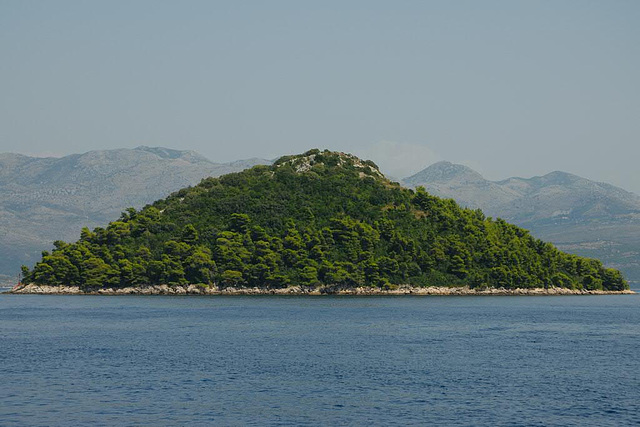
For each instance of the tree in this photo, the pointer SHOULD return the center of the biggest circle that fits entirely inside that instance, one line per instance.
(56, 269)
(309, 276)
(189, 234)
(458, 267)
(592, 283)
(200, 268)
(97, 273)
(26, 274)
(232, 278)
(239, 222)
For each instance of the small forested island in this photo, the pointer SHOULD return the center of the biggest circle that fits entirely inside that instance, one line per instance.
(321, 222)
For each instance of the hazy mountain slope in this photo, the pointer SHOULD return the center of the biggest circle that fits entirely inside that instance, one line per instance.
(560, 194)
(470, 188)
(44, 199)
(579, 215)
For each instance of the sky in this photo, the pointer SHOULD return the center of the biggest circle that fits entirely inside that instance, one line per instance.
(510, 88)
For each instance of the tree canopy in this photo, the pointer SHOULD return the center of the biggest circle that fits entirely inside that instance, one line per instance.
(317, 218)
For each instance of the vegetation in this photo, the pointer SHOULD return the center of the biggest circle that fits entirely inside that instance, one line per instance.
(318, 218)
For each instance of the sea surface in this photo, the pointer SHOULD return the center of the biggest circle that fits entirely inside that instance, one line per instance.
(262, 360)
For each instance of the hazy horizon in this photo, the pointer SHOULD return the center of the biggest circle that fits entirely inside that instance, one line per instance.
(507, 88)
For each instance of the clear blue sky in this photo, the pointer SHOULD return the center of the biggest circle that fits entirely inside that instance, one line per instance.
(507, 87)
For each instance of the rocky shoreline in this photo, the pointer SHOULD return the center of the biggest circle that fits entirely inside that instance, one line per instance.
(298, 290)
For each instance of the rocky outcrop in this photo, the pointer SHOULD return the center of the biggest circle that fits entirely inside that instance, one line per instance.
(297, 290)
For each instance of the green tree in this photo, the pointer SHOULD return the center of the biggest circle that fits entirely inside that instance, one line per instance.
(189, 234)
(309, 276)
(200, 268)
(97, 273)
(232, 278)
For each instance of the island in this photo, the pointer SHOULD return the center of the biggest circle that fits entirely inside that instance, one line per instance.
(318, 223)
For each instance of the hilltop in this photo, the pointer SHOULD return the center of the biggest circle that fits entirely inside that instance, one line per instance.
(317, 220)
(45, 199)
(581, 216)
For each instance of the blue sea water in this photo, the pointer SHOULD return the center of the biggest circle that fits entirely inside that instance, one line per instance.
(476, 361)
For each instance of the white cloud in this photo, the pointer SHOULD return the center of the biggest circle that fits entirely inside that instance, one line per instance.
(398, 159)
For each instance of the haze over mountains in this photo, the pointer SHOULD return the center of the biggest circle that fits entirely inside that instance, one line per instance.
(578, 215)
(47, 199)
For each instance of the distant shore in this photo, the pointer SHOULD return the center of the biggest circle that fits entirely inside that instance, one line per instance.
(298, 290)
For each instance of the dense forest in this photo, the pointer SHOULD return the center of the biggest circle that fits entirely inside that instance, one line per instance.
(320, 218)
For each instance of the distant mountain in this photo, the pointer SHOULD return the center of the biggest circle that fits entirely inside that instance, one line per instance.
(464, 184)
(45, 199)
(579, 215)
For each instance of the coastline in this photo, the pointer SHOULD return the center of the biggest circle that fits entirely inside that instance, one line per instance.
(298, 290)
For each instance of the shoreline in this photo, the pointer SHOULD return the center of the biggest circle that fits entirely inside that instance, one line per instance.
(33, 289)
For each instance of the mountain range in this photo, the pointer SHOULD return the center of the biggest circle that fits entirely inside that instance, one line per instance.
(578, 215)
(48, 199)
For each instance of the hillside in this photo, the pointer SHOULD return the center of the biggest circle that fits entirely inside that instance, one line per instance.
(44, 199)
(578, 215)
(316, 219)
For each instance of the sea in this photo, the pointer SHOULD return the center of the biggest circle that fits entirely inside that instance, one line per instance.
(321, 360)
